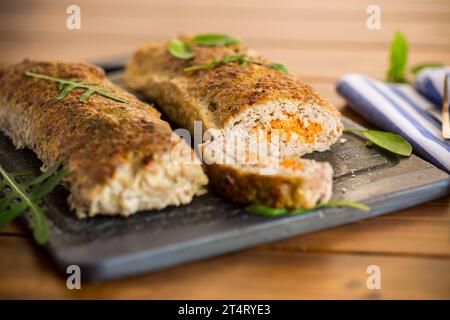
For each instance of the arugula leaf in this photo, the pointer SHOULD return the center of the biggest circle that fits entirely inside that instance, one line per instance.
(214, 40)
(22, 193)
(417, 68)
(279, 67)
(67, 85)
(266, 211)
(239, 58)
(389, 141)
(345, 203)
(398, 59)
(180, 49)
(274, 212)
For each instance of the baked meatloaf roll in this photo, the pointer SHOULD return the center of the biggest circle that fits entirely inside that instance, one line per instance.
(117, 149)
(232, 87)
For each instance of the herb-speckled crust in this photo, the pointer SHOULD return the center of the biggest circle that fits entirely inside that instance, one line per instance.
(277, 191)
(92, 138)
(214, 95)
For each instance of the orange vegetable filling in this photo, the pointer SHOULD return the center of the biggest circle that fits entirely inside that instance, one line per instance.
(293, 125)
(291, 164)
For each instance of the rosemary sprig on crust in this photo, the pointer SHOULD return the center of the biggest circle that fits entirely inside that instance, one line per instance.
(240, 59)
(67, 85)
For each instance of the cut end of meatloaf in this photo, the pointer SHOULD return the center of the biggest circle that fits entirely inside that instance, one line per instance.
(297, 128)
(170, 180)
(266, 179)
(303, 185)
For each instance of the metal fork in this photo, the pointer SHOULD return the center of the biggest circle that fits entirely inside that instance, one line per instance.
(445, 113)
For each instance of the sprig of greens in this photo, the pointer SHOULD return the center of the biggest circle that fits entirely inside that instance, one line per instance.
(67, 85)
(21, 192)
(275, 212)
(240, 59)
(278, 66)
(389, 141)
(397, 71)
(182, 49)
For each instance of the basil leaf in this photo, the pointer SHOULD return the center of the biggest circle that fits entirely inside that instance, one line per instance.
(214, 40)
(279, 67)
(398, 59)
(390, 141)
(265, 211)
(180, 49)
(417, 68)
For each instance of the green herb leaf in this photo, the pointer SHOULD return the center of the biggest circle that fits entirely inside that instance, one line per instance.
(266, 211)
(198, 67)
(67, 85)
(241, 59)
(20, 199)
(299, 211)
(274, 212)
(180, 49)
(235, 58)
(214, 40)
(279, 67)
(417, 68)
(398, 59)
(345, 203)
(389, 141)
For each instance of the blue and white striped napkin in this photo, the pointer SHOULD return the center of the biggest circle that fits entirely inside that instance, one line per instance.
(399, 108)
(430, 83)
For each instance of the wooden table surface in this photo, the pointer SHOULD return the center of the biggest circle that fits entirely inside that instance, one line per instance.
(319, 40)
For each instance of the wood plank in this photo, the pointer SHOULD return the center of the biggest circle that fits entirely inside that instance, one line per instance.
(228, 12)
(152, 25)
(28, 274)
(419, 231)
(15, 228)
(116, 6)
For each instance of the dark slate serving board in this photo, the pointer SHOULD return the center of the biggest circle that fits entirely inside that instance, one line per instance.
(110, 247)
